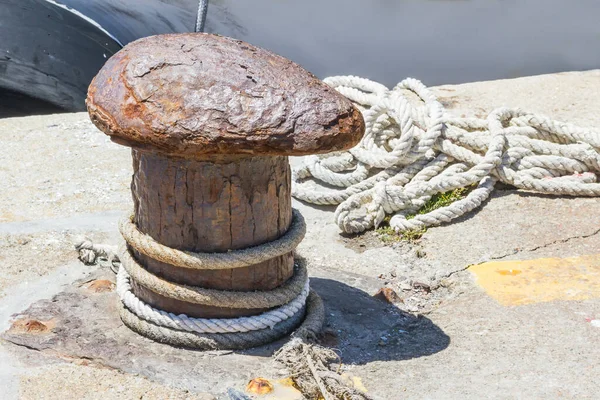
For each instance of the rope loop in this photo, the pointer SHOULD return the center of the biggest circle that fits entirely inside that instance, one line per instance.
(214, 261)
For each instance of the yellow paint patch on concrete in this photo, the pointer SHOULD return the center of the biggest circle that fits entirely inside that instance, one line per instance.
(514, 283)
(358, 384)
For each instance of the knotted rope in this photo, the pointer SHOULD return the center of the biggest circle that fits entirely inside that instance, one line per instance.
(310, 366)
(101, 254)
(413, 150)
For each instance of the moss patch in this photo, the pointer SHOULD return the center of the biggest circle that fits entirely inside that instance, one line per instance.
(388, 235)
(439, 200)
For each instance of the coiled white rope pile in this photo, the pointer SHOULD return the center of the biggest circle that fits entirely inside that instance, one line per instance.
(413, 150)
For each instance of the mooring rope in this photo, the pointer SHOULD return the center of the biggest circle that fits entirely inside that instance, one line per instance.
(413, 150)
(91, 253)
(276, 297)
(289, 298)
(182, 322)
(229, 260)
(298, 308)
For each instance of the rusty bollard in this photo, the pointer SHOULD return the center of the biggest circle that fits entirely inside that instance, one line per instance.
(211, 122)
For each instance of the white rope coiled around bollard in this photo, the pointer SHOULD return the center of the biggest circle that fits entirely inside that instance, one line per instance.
(304, 314)
(286, 304)
(266, 320)
(229, 260)
(410, 152)
(276, 297)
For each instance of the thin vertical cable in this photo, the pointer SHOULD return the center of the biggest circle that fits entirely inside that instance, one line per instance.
(201, 15)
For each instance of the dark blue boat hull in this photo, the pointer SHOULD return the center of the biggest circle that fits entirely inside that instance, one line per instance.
(51, 53)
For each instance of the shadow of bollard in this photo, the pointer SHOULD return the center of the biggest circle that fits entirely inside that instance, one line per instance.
(364, 329)
(86, 329)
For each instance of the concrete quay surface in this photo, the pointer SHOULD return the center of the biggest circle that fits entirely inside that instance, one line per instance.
(503, 303)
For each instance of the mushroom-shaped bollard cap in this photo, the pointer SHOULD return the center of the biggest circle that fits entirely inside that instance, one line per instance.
(194, 94)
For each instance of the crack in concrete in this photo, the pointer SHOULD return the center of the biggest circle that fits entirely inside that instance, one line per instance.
(28, 347)
(98, 362)
(449, 274)
(543, 246)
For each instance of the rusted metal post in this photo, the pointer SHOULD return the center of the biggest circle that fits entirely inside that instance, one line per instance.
(211, 121)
